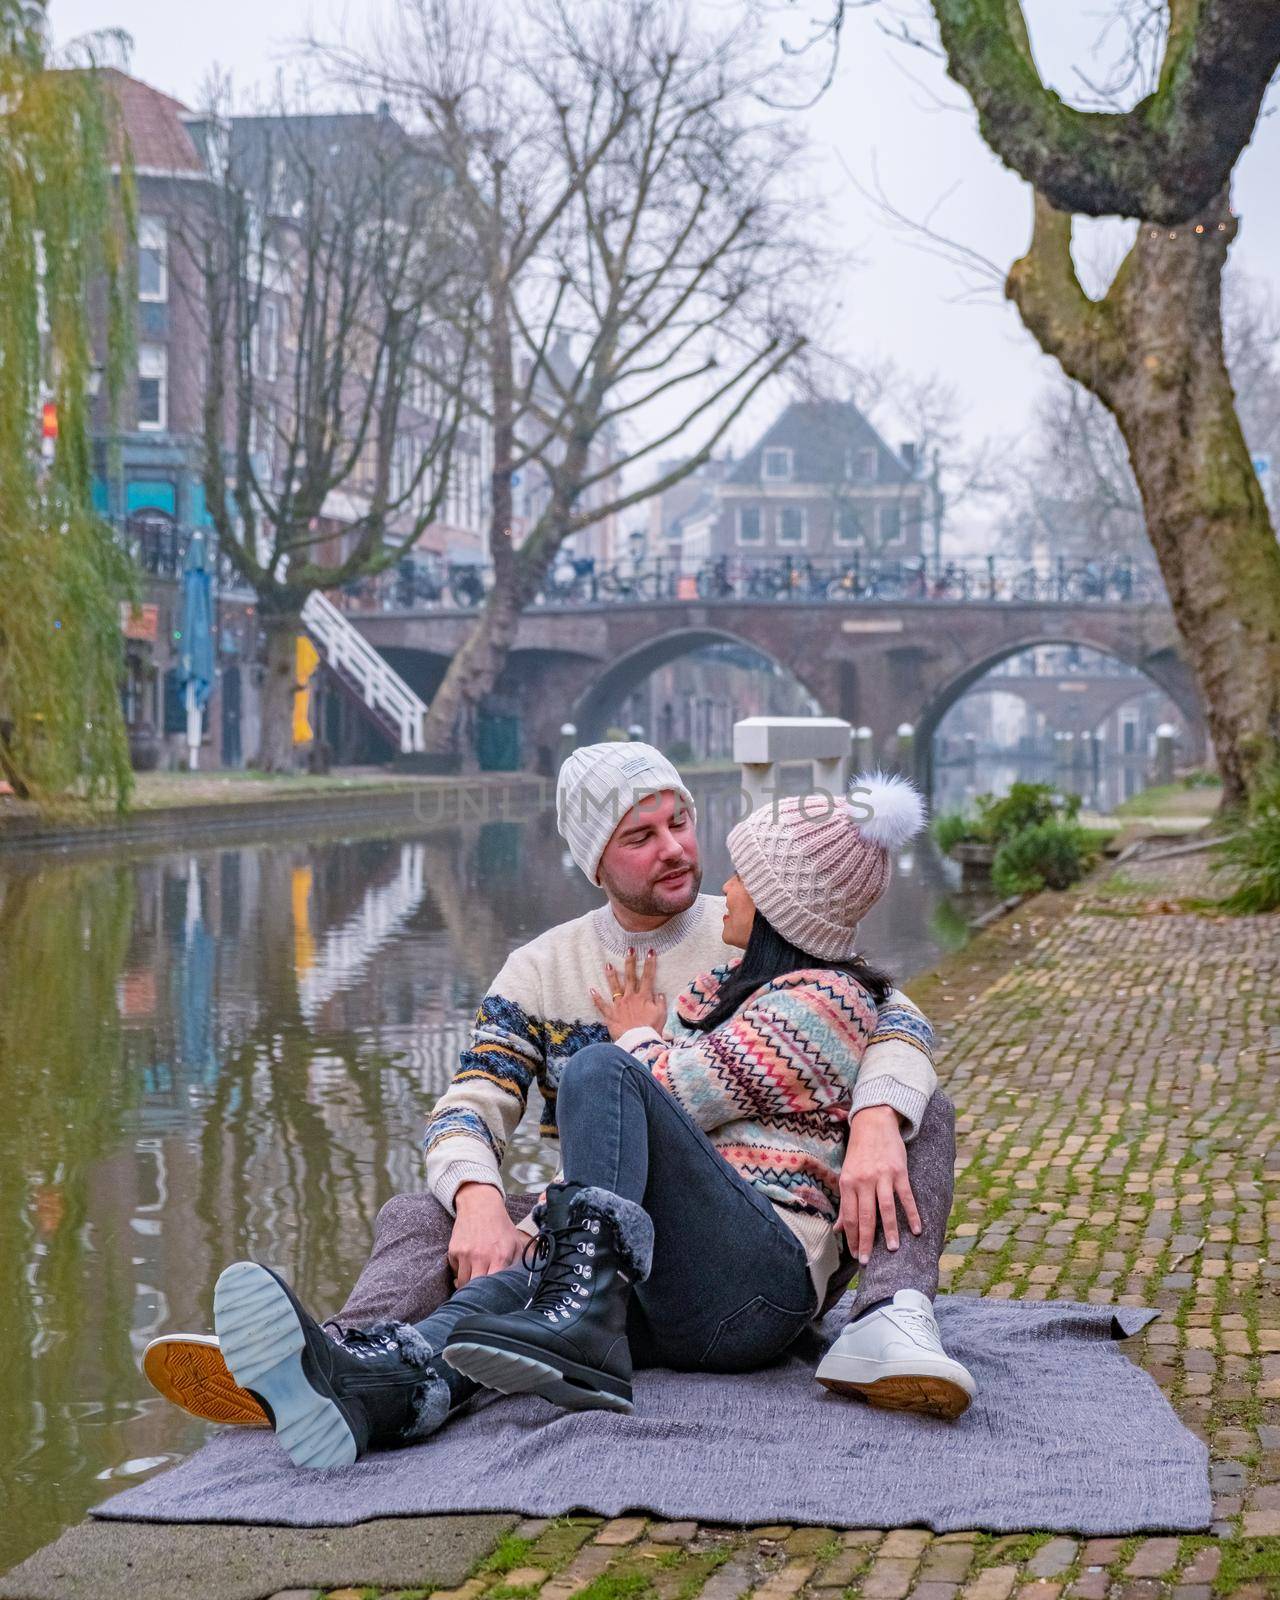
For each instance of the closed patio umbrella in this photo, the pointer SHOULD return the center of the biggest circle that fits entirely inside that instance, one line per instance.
(195, 663)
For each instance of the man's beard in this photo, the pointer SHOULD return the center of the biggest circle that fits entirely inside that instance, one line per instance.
(648, 902)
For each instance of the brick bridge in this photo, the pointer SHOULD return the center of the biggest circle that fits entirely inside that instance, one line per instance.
(878, 663)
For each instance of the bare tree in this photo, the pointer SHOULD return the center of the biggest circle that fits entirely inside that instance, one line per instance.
(322, 263)
(1073, 490)
(1253, 358)
(1151, 348)
(619, 191)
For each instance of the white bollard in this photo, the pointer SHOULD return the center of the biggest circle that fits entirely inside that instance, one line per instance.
(762, 744)
(1164, 752)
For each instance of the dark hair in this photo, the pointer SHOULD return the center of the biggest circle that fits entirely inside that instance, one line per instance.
(768, 956)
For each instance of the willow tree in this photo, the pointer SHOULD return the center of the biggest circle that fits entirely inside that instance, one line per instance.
(65, 225)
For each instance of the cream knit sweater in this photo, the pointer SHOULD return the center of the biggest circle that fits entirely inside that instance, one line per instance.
(539, 1012)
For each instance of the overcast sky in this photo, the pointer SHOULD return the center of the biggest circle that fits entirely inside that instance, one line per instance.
(890, 112)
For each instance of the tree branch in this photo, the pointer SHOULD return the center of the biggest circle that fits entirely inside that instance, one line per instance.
(1165, 159)
(1044, 286)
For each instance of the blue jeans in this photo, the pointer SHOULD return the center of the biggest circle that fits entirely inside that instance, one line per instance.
(729, 1289)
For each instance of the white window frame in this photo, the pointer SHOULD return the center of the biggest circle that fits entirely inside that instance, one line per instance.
(153, 238)
(838, 535)
(776, 477)
(758, 541)
(267, 341)
(896, 510)
(264, 436)
(802, 538)
(153, 364)
(864, 465)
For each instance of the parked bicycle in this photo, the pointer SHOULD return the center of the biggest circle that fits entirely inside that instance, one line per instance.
(571, 581)
(627, 582)
(466, 584)
(714, 582)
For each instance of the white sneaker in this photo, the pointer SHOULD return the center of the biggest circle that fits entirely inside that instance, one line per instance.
(894, 1358)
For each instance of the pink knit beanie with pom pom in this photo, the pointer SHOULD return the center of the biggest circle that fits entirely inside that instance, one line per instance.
(815, 866)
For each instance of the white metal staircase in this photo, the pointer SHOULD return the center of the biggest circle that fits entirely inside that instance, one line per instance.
(346, 951)
(346, 651)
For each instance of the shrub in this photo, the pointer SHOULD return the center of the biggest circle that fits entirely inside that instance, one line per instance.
(950, 827)
(679, 750)
(1026, 805)
(1053, 854)
(1200, 778)
(1253, 853)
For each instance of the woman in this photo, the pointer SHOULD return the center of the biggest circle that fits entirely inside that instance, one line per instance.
(697, 1224)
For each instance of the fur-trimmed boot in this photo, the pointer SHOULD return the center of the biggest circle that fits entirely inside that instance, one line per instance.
(569, 1343)
(329, 1400)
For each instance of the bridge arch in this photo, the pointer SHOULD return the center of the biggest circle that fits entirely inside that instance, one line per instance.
(619, 678)
(1163, 669)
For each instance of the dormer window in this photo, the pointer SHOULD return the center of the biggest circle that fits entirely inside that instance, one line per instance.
(862, 466)
(776, 465)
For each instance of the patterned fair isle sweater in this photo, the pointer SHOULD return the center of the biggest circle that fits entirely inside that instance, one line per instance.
(539, 1012)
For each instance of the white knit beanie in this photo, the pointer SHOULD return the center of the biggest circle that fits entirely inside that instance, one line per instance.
(599, 784)
(815, 867)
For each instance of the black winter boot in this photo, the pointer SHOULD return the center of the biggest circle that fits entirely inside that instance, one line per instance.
(328, 1400)
(569, 1343)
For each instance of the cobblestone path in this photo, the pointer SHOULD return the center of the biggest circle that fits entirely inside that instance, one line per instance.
(1119, 1136)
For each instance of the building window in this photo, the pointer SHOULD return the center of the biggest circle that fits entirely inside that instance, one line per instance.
(749, 531)
(851, 524)
(791, 525)
(264, 430)
(153, 387)
(863, 465)
(777, 465)
(267, 348)
(405, 460)
(153, 259)
(890, 525)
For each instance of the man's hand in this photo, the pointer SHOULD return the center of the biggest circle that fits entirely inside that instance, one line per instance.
(874, 1172)
(484, 1238)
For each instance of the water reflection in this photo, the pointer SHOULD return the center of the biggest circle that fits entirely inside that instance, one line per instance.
(1101, 786)
(231, 1052)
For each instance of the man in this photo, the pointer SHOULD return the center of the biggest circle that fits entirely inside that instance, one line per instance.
(629, 823)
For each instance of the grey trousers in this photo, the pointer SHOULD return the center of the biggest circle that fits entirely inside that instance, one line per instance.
(407, 1276)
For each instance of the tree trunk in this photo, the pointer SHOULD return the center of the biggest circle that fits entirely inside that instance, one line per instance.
(275, 739)
(476, 667)
(1153, 353)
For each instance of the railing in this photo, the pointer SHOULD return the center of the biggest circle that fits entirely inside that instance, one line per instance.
(418, 586)
(158, 546)
(425, 584)
(353, 658)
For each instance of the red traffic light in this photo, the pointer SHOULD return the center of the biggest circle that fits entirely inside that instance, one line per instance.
(49, 420)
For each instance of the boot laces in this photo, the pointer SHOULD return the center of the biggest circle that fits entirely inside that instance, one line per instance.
(567, 1259)
(368, 1346)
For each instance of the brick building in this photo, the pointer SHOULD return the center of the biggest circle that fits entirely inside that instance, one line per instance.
(819, 485)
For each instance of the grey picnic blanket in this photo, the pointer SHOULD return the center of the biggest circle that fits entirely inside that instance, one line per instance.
(1066, 1435)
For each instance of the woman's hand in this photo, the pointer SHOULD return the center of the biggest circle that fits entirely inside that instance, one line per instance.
(632, 1002)
(874, 1174)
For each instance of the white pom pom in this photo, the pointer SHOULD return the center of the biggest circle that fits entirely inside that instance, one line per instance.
(895, 807)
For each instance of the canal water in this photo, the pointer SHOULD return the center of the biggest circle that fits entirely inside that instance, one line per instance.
(228, 1051)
